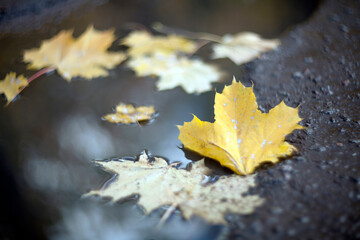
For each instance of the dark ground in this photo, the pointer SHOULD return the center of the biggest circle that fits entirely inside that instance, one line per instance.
(314, 195)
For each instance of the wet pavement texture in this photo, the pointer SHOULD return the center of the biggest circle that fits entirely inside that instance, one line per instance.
(50, 134)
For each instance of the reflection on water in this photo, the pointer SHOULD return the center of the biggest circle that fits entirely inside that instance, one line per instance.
(54, 130)
(84, 137)
(48, 175)
(92, 221)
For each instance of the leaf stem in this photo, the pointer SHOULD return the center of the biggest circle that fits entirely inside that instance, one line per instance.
(201, 35)
(40, 73)
(136, 26)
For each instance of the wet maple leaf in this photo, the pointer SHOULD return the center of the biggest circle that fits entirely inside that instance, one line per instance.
(160, 184)
(193, 75)
(12, 85)
(143, 43)
(85, 56)
(242, 137)
(127, 113)
(243, 47)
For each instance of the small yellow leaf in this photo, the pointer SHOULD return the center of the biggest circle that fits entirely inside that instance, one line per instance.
(243, 47)
(143, 43)
(12, 85)
(127, 113)
(85, 56)
(193, 75)
(242, 137)
(160, 184)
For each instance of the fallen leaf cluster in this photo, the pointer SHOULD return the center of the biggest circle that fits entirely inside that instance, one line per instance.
(160, 184)
(241, 138)
(165, 57)
(85, 57)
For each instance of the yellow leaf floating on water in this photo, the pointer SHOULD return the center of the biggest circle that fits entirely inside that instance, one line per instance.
(143, 43)
(160, 184)
(193, 75)
(242, 137)
(243, 47)
(85, 56)
(127, 113)
(158, 56)
(12, 85)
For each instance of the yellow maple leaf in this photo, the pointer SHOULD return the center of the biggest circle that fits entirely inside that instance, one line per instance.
(193, 75)
(85, 56)
(242, 137)
(127, 113)
(160, 184)
(243, 47)
(143, 43)
(12, 85)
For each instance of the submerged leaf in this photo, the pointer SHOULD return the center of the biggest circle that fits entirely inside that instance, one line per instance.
(243, 47)
(193, 75)
(12, 85)
(85, 56)
(160, 184)
(142, 43)
(127, 113)
(242, 137)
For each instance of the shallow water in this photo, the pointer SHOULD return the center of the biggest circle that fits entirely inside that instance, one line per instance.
(53, 131)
